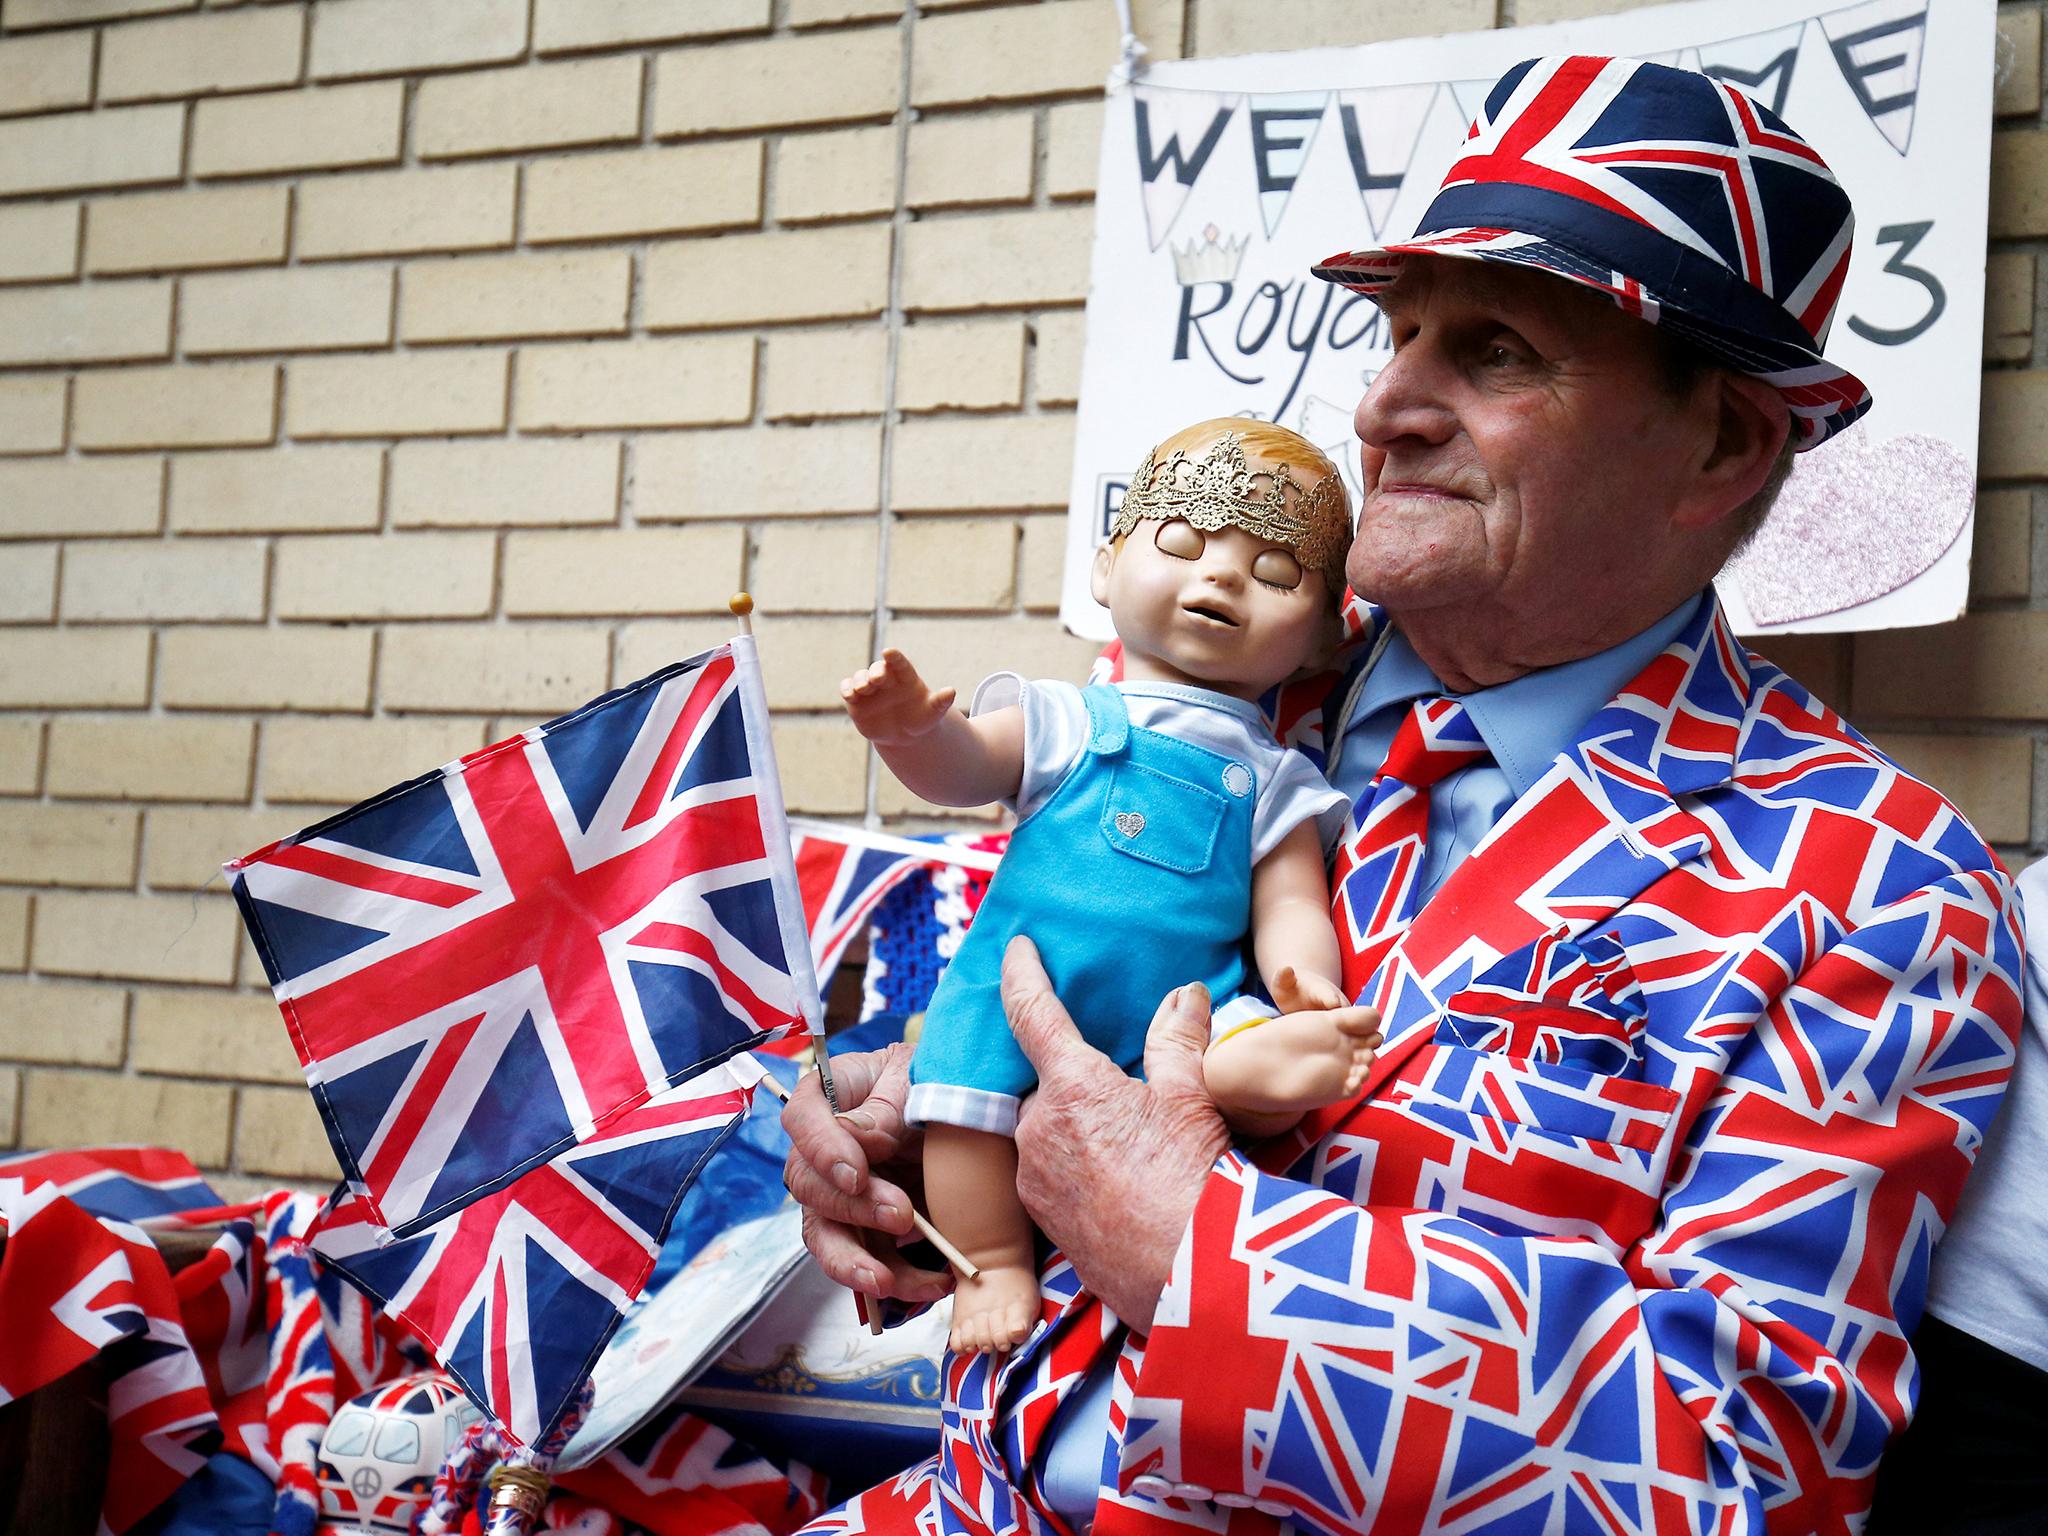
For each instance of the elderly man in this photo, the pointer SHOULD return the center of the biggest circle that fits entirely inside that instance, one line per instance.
(1696, 1007)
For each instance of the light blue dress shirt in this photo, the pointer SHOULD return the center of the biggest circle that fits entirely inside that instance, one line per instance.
(1526, 723)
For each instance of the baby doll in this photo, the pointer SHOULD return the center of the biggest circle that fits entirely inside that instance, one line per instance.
(1159, 823)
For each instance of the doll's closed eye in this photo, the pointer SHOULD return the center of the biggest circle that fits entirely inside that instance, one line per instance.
(1180, 538)
(1277, 568)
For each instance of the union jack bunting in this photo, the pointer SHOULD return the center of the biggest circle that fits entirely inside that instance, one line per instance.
(517, 1292)
(1684, 200)
(480, 967)
(844, 872)
(1628, 1226)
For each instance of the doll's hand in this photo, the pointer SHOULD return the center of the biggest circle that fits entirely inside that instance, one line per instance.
(890, 703)
(1294, 992)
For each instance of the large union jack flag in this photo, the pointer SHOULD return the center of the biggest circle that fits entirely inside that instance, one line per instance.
(499, 975)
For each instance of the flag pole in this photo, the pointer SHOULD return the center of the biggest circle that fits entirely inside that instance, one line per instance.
(742, 606)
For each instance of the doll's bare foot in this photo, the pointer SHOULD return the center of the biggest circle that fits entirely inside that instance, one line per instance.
(995, 1310)
(1294, 1063)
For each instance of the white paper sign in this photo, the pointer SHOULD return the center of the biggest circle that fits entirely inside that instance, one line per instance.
(1222, 180)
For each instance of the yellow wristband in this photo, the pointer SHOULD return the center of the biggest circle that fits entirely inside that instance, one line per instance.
(1237, 1029)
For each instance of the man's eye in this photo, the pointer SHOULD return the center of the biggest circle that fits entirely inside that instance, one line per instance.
(1277, 568)
(1180, 538)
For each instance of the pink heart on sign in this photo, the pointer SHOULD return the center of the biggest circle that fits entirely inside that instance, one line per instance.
(1860, 517)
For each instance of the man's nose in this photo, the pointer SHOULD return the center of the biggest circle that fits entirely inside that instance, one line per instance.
(1405, 399)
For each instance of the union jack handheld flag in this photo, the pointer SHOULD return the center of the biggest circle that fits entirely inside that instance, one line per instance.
(507, 981)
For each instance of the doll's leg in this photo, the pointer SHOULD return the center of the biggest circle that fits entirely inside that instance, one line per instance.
(1290, 1064)
(970, 1177)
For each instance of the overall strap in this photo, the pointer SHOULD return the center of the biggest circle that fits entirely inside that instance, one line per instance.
(1109, 723)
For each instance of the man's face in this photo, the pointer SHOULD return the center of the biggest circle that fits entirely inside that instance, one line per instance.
(1519, 450)
(1225, 610)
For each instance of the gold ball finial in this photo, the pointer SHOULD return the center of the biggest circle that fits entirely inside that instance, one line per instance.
(741, 604)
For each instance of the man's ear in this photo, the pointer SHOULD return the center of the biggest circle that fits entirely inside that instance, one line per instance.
(1750, 424)
(1098, 573)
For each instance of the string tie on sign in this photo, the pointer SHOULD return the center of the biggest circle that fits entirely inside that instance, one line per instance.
(1132, 60)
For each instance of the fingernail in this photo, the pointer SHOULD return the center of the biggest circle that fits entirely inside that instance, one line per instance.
(859, 1118)
(846, 1176)
(886, 1213)
(870, 1280)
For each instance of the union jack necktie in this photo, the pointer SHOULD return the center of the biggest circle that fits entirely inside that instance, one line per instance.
(1379, 864)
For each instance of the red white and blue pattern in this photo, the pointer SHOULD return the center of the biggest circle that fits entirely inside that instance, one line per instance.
(1684, 200)
(1628, 1227)
(1378, 865)
(128, 1183)
(844, 872)
(481, 967)
(75, 1287)
(517, 1292)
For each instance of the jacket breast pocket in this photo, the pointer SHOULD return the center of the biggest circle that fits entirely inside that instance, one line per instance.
(1161, 820)
(1571, 1152)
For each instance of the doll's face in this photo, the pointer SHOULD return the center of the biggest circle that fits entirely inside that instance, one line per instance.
(1226, 610)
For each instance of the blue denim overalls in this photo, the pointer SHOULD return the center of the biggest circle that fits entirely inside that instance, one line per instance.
(1132, 879)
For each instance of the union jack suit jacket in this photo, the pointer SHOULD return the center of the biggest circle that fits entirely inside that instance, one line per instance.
(1684, 1067)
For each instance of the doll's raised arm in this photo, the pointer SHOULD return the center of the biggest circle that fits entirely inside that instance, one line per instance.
(934, 749)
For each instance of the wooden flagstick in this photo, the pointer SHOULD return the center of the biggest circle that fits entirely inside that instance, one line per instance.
(742, 606)
(926, 1230)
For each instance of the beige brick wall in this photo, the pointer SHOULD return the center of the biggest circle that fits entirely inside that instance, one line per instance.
(378, 377)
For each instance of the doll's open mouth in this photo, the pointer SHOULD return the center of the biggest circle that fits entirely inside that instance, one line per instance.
(1213, 615)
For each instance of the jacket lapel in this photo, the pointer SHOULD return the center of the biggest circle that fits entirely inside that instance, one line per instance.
(1604, 822)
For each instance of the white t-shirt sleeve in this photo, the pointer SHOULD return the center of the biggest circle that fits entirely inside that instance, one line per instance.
(1055, 731)
(1294, 791)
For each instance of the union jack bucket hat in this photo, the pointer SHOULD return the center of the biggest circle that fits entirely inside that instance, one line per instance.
(1683, 200)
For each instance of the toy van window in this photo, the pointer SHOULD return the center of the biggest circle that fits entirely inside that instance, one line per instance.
(398, 1441)
(348, 1434)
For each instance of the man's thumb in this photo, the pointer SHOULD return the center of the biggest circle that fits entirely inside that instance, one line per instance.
(1178, 1035)
(1043, 1027)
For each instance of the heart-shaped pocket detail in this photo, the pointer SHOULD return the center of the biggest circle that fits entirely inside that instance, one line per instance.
(1130, 823)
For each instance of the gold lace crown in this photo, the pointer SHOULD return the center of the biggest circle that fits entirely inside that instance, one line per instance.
(1222, 490)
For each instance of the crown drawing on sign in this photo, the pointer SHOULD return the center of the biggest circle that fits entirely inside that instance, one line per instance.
(1209, 261)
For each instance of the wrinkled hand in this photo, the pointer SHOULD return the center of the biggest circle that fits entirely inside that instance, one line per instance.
(1110, 1167)
(853, 1215)
(1294, 992)
(890, 703)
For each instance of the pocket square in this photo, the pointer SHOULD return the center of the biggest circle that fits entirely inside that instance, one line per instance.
(1560, 1000)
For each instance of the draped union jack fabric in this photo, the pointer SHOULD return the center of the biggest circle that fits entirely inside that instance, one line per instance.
(1627, 1228)
(75, 1286)
(481, 966)
(130, 1183)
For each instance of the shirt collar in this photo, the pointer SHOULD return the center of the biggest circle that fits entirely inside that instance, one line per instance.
(1529, 720)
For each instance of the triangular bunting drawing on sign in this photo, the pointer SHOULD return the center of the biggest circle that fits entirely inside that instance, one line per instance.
(1471, 98)
(1381, 130)
(1760, 65)
(1877, 46)
(1177, 135)
(1283, 130)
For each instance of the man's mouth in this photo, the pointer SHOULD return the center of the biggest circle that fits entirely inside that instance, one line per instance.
(1213, 615)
